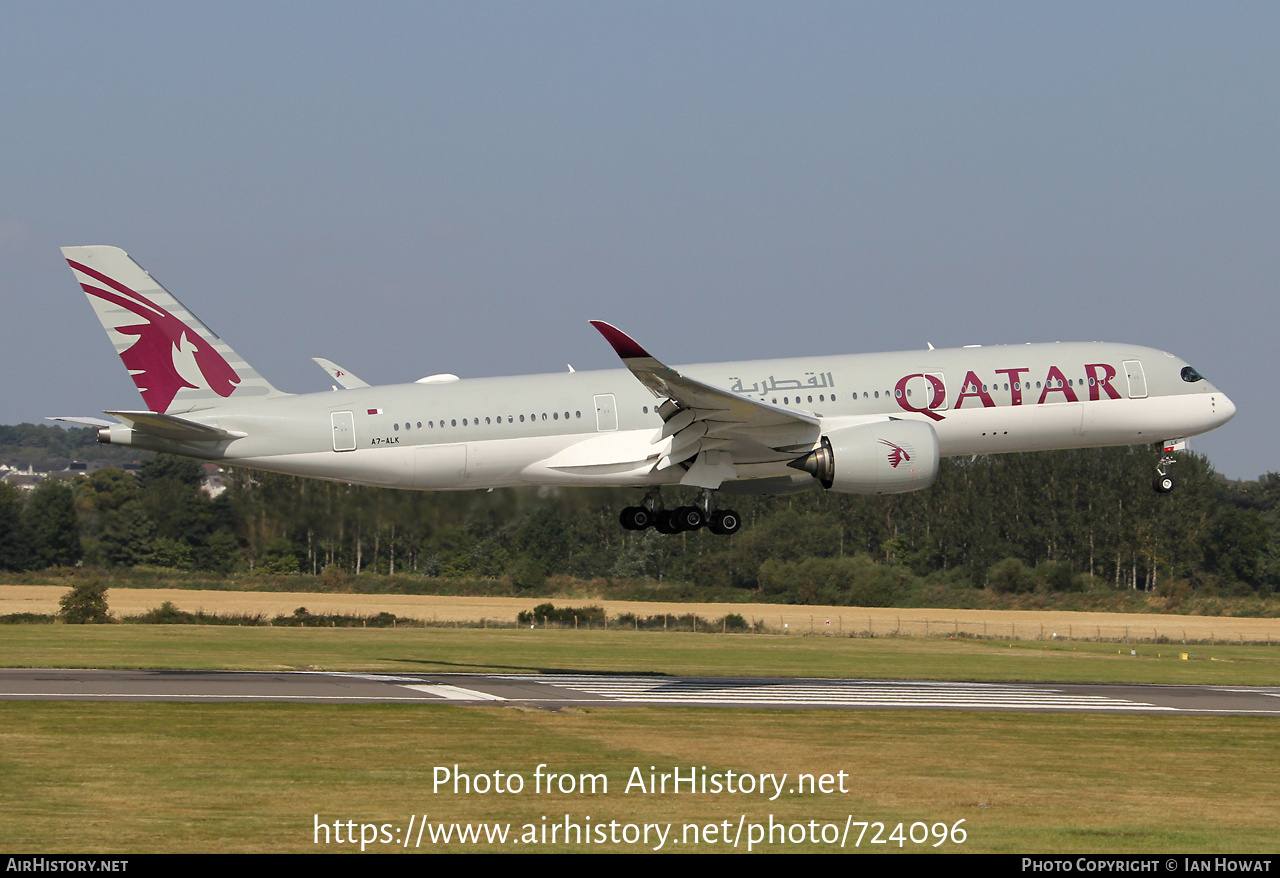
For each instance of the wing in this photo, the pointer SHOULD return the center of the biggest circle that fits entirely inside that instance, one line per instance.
(714, 428)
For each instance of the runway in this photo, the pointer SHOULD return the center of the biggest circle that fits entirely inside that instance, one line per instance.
(553, 691)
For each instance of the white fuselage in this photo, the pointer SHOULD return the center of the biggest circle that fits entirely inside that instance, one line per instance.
(603, 428)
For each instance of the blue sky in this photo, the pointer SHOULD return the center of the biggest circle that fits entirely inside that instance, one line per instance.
(411, 188)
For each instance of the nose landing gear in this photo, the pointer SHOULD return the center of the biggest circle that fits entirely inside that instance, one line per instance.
(1163, 482)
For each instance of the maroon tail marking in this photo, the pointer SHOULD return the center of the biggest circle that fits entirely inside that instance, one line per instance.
(150, 358)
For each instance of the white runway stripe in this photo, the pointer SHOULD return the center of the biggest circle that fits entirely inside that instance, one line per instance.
(454, 693)
(852, 693)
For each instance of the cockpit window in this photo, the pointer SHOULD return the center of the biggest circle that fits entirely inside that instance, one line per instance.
(1190, 375)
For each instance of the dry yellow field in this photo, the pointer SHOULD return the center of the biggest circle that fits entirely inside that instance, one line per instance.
(1021, 624)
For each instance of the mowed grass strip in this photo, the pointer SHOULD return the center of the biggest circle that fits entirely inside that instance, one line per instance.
(626, 652)
(117, 778)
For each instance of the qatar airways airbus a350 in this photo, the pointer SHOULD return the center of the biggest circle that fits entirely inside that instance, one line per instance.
(859, 423)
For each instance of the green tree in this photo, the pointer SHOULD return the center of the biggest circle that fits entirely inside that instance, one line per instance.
(169, 467)
(52, 525)
(15, 542)
(279, 556)
(1011, 576)
(127, 537)
(86, 604)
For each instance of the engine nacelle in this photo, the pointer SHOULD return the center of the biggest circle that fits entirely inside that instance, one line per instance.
(116, 434)
(886, 457)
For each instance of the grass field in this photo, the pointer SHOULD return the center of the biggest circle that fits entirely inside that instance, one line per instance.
(644, 652)
(132, 778)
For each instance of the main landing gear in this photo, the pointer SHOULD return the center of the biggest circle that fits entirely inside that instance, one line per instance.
(1163, 482)
(650, 513)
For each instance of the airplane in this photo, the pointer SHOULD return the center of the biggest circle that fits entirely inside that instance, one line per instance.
(862, 423)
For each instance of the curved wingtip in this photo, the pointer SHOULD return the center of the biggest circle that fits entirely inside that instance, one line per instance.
(626, 347)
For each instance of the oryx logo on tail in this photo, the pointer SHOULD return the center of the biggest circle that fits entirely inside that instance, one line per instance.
(168, 355)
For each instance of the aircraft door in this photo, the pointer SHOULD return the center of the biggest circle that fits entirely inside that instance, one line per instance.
(344, 431)
(1137, 379)
(927, 391)
(938, 391)
(935, 391)
(606, 413)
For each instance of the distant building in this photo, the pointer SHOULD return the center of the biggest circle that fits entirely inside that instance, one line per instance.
(26, 473)
(213, 483)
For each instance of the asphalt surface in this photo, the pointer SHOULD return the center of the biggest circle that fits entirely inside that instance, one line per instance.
(553, 691)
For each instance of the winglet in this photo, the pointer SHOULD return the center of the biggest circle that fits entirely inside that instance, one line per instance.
(626, 347)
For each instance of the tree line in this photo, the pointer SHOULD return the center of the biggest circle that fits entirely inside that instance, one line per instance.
(1057, 520)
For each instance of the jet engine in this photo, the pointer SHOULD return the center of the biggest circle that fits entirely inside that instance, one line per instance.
(886, 457)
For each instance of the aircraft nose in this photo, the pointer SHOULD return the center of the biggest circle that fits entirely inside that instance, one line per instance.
(1223, 407)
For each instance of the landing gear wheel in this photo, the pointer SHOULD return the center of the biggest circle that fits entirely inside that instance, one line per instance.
(665, 523)
(725, 522)
(683, 519)
(635, 518)
(688, 518)
(1163, 482)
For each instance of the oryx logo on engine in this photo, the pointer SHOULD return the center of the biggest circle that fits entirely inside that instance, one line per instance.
(898, 454)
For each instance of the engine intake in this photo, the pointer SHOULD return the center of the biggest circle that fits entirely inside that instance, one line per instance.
(887, 457)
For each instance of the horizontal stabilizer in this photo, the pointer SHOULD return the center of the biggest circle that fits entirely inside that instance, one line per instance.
(84, 422)
(172, 427)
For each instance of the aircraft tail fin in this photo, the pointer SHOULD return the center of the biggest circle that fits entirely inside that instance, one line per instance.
(339, 374)
(176, 361)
